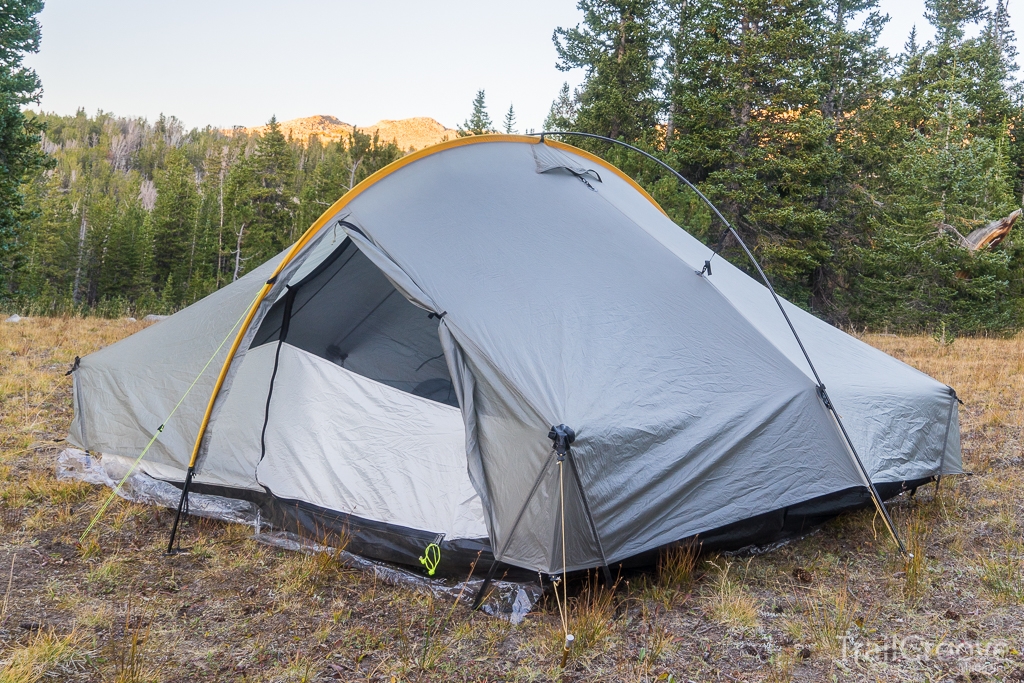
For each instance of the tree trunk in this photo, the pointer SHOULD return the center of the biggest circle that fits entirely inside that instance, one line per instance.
(220, 228)
(238, 252)
(81, 255)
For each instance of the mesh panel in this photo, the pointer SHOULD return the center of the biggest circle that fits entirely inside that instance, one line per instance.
(346, 311)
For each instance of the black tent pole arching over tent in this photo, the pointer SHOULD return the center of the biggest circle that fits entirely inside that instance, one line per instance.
(875, 497)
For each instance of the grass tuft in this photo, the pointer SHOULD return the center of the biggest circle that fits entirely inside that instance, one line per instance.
(830, 612)
(730, 603)
(915, 577)
(46, 655)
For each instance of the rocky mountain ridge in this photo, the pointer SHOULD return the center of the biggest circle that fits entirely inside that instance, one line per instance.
(412, 133)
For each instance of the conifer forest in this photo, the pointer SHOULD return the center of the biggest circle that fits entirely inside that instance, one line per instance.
(855, 174)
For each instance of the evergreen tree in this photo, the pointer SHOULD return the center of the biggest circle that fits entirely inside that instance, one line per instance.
(479, 122)
(241, 188)
(562, 115)
(174, 225)
(125, 273)
(751, 122)
(269, 172)
(510, 121)
(20, 155)
(49, 249)
(956, 103)
(211, 248)
(618, 44)
(914, 274)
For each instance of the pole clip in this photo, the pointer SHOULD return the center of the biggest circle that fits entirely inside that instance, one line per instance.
(78, 362)
(561, 437)
(824, 397)
(707, 268)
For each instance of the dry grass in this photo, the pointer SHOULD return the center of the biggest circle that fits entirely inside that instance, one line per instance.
(45, 656)
(115, 608)
(729, 601)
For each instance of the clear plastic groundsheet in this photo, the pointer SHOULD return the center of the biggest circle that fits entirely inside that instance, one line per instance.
(506, 599)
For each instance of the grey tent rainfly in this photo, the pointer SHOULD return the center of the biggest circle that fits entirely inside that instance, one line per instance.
(501, 337)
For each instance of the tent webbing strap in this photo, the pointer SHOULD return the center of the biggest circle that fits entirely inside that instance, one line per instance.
(875, 497)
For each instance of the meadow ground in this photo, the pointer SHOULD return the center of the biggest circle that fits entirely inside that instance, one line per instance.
(839, 604)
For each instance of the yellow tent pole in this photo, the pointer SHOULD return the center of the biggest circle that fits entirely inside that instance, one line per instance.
(318, 225)
(340, 204)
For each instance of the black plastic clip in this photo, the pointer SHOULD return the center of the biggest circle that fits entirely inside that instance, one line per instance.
(272, 280)
(824, 397)
(561, 439)
(707, 268)
(78, 361)
(439, 316)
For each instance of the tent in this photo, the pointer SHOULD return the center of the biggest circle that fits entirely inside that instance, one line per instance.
(412, 370)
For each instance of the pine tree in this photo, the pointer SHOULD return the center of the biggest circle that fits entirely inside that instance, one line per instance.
(510, 121)
(50, 246)
(751, 122)
(124, 269)
(618, 45)
(20, 154)
(952, 172)
(479, 122)
(174, 223)
(273, 167)
(562, 115)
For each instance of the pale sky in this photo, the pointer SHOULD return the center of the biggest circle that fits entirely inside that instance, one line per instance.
(228, 63)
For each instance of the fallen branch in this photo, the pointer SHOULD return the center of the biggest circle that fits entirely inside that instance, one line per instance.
(987, 236)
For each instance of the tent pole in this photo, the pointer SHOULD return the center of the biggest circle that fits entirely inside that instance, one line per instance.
(512, 531)
(480, 594)
(522, 510)
(182, 505)
(875, 497)
(590, 518)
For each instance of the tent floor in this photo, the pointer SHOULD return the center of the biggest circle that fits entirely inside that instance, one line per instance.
(402, 545)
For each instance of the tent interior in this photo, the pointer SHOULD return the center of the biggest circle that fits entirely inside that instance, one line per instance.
(347, 312)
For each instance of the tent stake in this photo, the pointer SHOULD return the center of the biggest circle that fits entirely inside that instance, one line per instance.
(875, 497)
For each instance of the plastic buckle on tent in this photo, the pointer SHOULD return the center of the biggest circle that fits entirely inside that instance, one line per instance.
(79, 360)
(707, 268)
(561, 438)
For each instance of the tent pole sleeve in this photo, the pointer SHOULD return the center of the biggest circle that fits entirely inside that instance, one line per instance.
(590, 518)
(778, 302)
